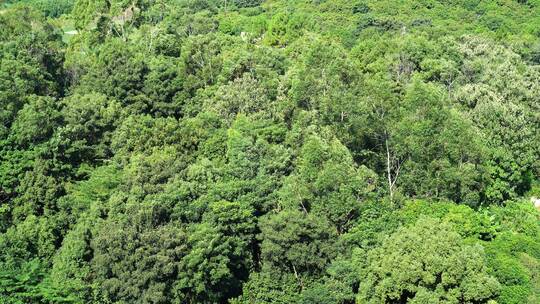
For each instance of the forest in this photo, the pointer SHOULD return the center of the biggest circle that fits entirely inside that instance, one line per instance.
(270, 151)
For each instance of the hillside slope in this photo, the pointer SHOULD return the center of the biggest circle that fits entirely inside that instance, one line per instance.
(279, 151)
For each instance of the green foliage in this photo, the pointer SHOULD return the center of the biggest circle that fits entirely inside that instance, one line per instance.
(296, 243)
(248, 151)
(327, 183)
(427, 262)
(49, 8)
(436, 153)
(24, 286)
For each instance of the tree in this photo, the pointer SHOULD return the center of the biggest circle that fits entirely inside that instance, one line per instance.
(163, 86)
(36, 121)
(426, 262)
(137, 263)
(326, 82)
(270, 287)
(244, 95)
(296, 243)
(221, 254)
(248, 151)
(503, 110)
(85, 134)
(422, 147)
(327, 183)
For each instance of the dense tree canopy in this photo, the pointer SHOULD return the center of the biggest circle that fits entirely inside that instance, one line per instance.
(269, 151)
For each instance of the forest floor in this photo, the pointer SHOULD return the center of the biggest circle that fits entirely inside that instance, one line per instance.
(68, 28)
(536, 202)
